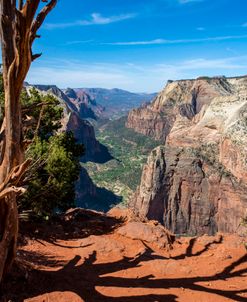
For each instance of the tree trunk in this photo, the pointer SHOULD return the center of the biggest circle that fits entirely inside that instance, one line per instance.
(8, 233)
(13, 153)
(19, 24)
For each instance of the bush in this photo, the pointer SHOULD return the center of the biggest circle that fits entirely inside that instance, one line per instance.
(52, 177)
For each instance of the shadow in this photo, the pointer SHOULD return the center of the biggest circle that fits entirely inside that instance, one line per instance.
(84, 277)
(100, 156)
(75, 224)
(38, 259)
(84, 133)
(189, 249)
(89, 196)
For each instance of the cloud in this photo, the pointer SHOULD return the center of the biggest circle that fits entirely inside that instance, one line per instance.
(143, 77)
(189, 1)
(244, 25)
(95, 19)
(206, 64)
(200, 28)
(78, 42)
(179, 41)
(77, 74)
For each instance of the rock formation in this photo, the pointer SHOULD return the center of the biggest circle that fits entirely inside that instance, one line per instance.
(85, 105)
(185, 98)
(75, 114)
(197, 181)
(116, 102)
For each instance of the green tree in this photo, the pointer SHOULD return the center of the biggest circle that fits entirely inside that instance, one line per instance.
(20, 22)
(55, 156)
(52, 177)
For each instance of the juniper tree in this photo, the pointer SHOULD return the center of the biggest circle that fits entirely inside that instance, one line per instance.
(19, 25)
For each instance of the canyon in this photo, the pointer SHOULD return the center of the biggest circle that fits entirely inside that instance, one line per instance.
(196, 181)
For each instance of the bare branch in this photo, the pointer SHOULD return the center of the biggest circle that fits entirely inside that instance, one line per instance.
(12, 189)
(36, 56)
(41, 18)
(20, 7)
(39, 121)
(15, 175)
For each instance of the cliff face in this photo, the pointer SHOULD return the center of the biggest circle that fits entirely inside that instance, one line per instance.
(84, 104)
(197, 182)
(115, 102)
(73, 120)
(185, 98)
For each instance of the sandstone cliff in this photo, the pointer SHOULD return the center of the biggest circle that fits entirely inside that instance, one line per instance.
(185, 98)
(75, 114)
(197, 182)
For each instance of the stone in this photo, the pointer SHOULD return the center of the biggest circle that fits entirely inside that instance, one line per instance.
(196, 182)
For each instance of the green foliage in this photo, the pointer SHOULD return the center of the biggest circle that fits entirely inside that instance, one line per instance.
(51, 183)
(130, 151)
(55, 157)
(44, 108)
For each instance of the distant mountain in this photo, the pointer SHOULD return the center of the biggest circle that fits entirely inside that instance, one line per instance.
(75, 114)
(110, 103)
(85, 105)
(95, 103)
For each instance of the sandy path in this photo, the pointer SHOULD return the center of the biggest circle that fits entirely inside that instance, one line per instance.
(113, 268)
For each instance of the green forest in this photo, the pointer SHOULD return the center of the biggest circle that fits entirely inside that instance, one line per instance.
(129, 150)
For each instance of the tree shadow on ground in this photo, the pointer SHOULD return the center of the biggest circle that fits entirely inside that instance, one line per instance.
(74, 224)
(83, 278)
(189, 249)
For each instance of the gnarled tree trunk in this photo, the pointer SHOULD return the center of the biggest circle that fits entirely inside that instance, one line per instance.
(19, 24)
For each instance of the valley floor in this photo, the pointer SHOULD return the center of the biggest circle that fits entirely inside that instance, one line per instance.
(103, 265)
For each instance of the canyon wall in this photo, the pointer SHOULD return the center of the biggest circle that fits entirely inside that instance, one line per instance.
(74, 119)
(196, 182)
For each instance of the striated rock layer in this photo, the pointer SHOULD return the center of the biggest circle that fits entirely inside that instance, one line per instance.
(197, 182)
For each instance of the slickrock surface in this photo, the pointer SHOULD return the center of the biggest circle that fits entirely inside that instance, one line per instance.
(89, 258)
(197, 181)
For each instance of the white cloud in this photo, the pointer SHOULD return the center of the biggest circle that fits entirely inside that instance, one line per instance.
(131, 76)
(200, 28)
(95, 19)
(179, 41)
(189, 1)
(78, 42)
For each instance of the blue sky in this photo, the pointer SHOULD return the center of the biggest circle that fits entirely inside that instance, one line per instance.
(139, 44)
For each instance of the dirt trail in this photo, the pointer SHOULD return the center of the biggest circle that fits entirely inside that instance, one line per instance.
(111, 267)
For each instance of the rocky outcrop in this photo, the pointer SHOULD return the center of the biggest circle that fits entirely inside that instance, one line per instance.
(74, 119)
(148, 232)
(84, 133)
(188, 195)
(185, 98)
(116, 102)
(197, 182)
(85, 105)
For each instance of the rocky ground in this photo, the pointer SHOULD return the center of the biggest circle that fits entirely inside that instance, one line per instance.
(89, 256)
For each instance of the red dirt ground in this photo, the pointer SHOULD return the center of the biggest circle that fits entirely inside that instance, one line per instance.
(106, 266)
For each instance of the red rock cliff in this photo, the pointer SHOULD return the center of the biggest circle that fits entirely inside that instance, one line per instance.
(197, 182)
